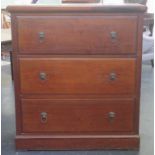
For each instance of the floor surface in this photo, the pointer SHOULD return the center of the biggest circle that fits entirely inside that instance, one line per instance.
(146, 119)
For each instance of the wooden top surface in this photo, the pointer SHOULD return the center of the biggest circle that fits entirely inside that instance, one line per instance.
(105, 8)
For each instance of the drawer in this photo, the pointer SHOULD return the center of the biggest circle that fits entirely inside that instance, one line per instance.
(77, 34)
(44, 115)
(77, 75)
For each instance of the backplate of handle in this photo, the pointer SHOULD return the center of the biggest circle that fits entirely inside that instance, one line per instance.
(111, 115)
(112, 76)
(41, 36)
(42, 76)
(113, 35)
(43, 117)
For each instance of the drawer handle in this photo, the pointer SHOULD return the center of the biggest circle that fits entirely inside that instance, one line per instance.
(41, 36)
(42, 76)
(113, 35)
(43, 116)
(111, 116)
(112, 76)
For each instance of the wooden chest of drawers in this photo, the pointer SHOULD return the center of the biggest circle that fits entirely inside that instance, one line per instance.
(77, 72)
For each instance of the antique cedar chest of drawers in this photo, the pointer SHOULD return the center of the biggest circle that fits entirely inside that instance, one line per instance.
(77, 72)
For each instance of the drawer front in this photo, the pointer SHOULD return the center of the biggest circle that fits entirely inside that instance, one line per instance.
(77, 34)
(77, 75)
(77, 115)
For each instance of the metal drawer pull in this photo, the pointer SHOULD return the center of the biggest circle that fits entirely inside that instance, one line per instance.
(41, 36)
(42, 76)
(113, 35)
(112, 76)
(111, 115)
(43, 116)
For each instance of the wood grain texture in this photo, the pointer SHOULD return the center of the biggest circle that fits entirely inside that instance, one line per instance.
(77, 55)
(77, 116)
(77, 34)
(77, 75)
(77, 143)
(16, 73)
(105, 8)
(138, 70)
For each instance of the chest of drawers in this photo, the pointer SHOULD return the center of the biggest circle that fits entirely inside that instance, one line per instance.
(77, 71)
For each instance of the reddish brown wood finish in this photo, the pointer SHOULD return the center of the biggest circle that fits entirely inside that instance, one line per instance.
(72, 97)
(77, 142)
(83, 34)
(79, 8)
(78, 75)
(77, 116)
(138, 70)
